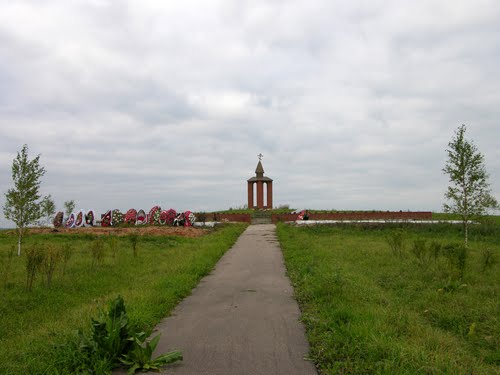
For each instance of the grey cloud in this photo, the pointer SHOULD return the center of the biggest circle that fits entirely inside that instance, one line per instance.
(352, 104)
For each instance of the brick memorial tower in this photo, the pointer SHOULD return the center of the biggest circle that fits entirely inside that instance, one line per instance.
(263, 183)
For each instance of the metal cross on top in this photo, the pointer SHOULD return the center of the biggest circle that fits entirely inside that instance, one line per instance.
(260, 156)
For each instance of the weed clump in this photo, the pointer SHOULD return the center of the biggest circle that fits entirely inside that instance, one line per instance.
(7, 266)
(487, 259)
(457, 257)
(134, 241)
(51, 259)
(435, 250)
(35, 257)
(114, 342)
(396, 240)
(113, 245)
(421, 251)
(66, 254)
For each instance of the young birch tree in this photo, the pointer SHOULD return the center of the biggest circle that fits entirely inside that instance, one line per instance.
(48, 208)
(22, 206)
(469, 194)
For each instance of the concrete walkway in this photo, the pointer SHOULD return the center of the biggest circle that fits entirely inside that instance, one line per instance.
(242, 318)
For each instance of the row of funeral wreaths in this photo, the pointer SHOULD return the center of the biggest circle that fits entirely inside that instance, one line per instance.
(156, 216)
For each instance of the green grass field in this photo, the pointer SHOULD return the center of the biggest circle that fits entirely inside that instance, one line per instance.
(33, 323)
(368, 310)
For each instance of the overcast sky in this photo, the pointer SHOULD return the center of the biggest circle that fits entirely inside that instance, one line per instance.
(352, 104)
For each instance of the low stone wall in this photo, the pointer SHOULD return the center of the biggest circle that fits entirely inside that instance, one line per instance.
(358, 215)
(245, 218)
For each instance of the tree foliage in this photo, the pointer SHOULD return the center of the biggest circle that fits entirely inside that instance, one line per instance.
(69, 206)
(22, 204)
(48, 208)
(469, 194)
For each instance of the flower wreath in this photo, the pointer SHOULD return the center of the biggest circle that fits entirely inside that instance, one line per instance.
(90, 218)
(131, 216)
(79, 219)
(141, 218)
(163, 217)
(191, 217)
(106, 219)
(58, 219)
(70, 223)
(179, 220)
(170, 217)
(117, 218)
(151, 216)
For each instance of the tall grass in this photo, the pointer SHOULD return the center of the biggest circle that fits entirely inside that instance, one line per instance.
(34, 324)
(369, 310)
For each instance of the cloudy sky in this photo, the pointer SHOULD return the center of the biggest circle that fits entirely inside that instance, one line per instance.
(136, 103)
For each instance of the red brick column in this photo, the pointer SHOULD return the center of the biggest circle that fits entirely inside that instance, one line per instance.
(250, 194)
(260, 194)
(269, 194)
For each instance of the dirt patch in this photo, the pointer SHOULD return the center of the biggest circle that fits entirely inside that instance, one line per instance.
(142, 231)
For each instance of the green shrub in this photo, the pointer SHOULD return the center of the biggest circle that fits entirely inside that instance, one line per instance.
(35, 256)
(421, 251)
(457, 257)
(487, 259)
(7, 265)
(396, 240)
(134, 241)
(51, 259)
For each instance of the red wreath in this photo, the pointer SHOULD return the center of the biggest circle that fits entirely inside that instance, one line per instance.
(170, 217)
(187, 221)
(151, 215)
(89, 218)
(79, 219)
(131, 216)
(163, 217)
(106, 219)
(141, 218)
(70, 223)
